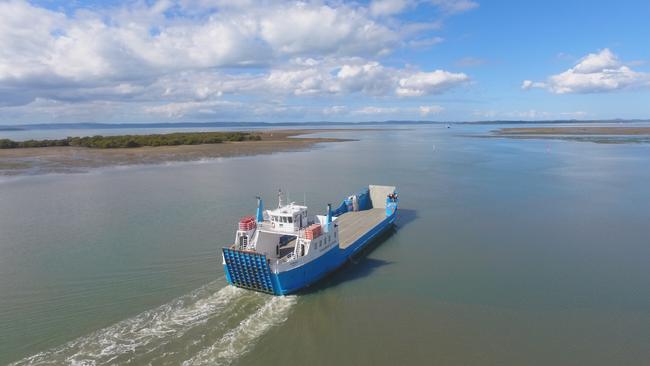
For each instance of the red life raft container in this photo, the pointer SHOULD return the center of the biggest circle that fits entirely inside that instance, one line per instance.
(312, 232)
(247, 223)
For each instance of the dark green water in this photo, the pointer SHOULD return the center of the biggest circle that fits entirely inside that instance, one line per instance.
(506, 252)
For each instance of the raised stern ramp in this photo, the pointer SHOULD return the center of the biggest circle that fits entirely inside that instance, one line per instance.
(248, 270)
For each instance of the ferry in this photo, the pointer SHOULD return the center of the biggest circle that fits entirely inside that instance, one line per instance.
(283, 250)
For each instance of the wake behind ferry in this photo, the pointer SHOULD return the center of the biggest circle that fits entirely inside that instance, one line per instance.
(283, 250)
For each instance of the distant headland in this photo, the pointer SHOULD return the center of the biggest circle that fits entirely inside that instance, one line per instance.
(78, 154)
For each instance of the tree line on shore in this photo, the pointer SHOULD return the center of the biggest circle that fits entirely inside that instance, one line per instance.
(133, 141)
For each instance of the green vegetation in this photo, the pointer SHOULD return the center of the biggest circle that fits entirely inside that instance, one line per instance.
(131, 141)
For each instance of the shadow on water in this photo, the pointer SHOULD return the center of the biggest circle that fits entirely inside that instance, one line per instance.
(357, 267)
(405, 216)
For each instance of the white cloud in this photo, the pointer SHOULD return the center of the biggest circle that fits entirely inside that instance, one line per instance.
(181, 109)
(531, 114)
(370, 78)
(39, 43)
(426, 110)
(425, 83)
(304, 81)
(393, 7)
(388, 7)
(335, 109)
(576, 114)
(176, 58)
(529, 84)
(373, 110)
(302, 28)
(596, 72)
(596, 62)
(398, 112)
(345, 76)
(311, 77)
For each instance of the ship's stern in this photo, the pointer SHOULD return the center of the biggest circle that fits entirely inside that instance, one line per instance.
(249, 270)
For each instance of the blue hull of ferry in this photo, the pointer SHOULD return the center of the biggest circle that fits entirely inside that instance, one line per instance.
(291, 281)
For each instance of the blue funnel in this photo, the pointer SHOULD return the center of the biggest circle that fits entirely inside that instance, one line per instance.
(328, 221)
(260, 209)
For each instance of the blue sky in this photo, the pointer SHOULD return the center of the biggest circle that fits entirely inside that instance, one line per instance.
(202, 60)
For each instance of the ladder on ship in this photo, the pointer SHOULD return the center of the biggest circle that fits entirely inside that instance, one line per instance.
(243, 242)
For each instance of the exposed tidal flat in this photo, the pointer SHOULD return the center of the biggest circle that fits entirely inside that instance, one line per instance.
(76, 158)
(506, 252)
(599, 134)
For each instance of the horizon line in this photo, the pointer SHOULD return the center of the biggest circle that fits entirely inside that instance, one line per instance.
(100, 125)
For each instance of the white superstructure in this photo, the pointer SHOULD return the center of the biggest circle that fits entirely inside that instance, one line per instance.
(287, 235)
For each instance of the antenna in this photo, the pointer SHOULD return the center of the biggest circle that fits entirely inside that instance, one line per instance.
(279, 198)
(304, 199)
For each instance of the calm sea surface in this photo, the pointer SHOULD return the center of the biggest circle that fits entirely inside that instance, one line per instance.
(506, 252)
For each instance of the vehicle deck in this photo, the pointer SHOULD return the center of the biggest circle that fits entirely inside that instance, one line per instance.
(352, 225)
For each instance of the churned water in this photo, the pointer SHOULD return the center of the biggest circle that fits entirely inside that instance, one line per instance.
(506, 252)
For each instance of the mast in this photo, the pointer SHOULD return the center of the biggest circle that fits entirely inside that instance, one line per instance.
(279, 198)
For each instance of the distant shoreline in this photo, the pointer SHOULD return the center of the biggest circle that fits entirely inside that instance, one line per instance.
(68, 159)
(241, 126)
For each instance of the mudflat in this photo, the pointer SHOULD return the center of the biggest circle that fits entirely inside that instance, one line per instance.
(595, 134)
(62, 159)
(621, 131)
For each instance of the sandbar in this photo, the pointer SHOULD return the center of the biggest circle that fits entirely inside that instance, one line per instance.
(66, 159)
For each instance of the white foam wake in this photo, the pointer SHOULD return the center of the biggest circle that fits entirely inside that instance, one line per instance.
(148, 332)
(239, 340)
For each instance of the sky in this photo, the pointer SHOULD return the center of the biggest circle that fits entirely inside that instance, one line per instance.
(279, 61)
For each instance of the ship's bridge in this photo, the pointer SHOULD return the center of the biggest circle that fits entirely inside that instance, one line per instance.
(289, 218)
